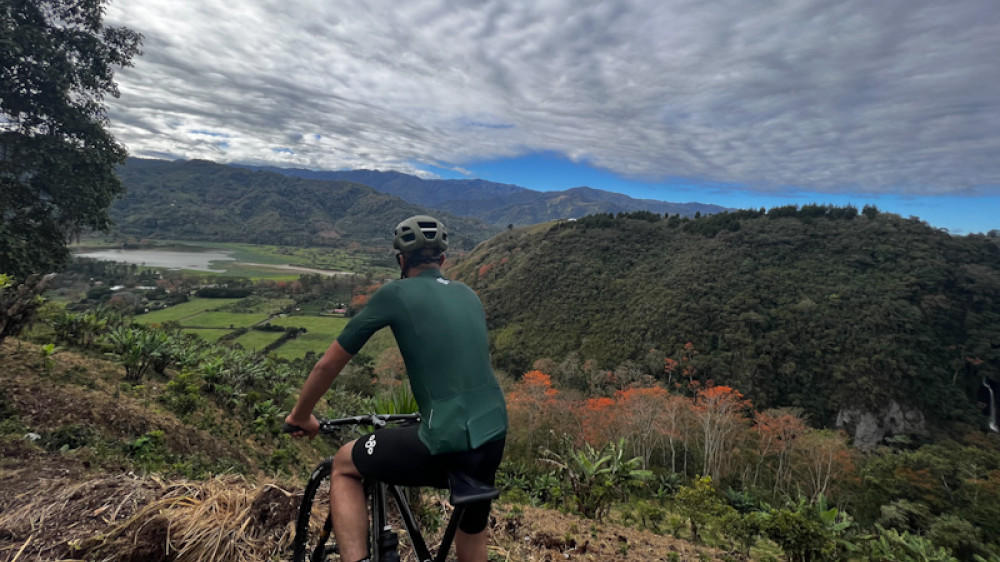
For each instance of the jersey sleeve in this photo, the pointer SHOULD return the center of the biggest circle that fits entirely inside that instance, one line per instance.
(376, 315)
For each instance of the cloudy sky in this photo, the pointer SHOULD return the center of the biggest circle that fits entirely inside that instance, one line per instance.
(743, 103)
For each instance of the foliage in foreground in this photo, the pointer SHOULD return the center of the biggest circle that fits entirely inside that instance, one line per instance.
(777, 473)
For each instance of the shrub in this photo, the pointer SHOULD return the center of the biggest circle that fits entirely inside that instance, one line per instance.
(701, 503)
(801, 537)
(183, 393)
(597, 476)
(893, 546)
(68, 437)
(960, 537)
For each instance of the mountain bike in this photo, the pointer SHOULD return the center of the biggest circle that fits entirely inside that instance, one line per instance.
(313, 528)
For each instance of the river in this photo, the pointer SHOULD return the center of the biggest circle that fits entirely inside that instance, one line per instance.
(199, 260)
(215, 261)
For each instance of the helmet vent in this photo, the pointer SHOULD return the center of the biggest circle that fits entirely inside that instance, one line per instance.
(419, 232)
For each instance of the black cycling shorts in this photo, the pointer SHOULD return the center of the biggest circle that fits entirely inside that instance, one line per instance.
(396, 455)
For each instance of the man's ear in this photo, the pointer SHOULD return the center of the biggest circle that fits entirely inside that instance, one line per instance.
(441, 259)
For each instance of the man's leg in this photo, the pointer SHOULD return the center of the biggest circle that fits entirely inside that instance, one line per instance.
(347, 507)
(470, 548)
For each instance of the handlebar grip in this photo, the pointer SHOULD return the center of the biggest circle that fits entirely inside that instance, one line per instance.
(289, 428)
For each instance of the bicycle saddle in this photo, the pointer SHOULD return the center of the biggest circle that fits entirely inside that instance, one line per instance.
(466, 489)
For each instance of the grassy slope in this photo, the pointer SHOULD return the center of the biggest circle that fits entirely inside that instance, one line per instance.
(80, 491)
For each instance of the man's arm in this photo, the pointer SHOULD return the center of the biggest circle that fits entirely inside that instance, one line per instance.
(316, 385)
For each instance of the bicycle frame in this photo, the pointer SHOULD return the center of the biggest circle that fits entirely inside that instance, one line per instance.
(380, 516)
(382, 537)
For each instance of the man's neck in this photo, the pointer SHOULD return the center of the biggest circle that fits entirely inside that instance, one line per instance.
(415, 271)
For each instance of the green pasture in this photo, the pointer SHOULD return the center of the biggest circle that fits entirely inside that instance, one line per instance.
(329, 325)
(320, 332)
(224, 320)
(207, 334)
(181, 312)
(259, 304)
(256, 340)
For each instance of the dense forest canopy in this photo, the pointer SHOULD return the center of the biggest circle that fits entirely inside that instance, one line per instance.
(817, 307)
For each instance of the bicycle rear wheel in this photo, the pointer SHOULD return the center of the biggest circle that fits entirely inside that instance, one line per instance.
(313, 529)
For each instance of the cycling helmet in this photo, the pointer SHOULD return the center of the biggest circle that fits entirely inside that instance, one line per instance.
(419, 232)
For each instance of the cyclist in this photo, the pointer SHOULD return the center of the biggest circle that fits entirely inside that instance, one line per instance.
(440, 327)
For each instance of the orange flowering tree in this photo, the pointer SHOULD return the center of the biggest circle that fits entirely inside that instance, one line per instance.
(721, 423)
(534, 412)
(642, 411)
(596, 420)
(776, 431)
(677, 419)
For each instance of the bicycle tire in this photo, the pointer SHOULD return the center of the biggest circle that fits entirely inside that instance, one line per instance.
(313, 528)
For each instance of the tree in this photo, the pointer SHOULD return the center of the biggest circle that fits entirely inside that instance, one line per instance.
(822, 458)
(642, 411)
(777, 431)
(57, 158)
(719, 414)
(532, 405)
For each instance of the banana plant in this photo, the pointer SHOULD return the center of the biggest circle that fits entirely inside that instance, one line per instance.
(596, 476)
(891, 545)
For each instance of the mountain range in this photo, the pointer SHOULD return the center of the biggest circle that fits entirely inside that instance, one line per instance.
(500, 204)
(202, 200)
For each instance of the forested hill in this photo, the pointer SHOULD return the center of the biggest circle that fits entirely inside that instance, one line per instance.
(502, 204)
(817, 307)
(200, 200)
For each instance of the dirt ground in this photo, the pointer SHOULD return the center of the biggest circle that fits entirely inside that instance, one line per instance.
(548, 535)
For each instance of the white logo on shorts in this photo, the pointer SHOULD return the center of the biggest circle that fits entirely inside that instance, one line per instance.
(370, 444)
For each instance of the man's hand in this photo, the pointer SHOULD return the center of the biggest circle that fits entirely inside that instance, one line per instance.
(307, 426)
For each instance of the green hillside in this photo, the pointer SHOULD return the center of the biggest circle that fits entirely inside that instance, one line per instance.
(204, 201)
(817, 307)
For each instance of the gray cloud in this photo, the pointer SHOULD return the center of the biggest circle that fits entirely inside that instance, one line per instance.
(860, 96)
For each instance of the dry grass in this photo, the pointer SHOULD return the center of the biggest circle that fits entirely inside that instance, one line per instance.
(127, 519)
(221, 519)
(42, 522)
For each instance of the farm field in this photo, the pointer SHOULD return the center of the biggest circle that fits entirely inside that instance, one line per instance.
(211, 319)
(256, 340)
(207, 334)
(230, 320)
(320, 332)
(182, 312)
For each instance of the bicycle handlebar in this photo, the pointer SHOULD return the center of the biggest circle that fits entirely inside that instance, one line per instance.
(376, 420)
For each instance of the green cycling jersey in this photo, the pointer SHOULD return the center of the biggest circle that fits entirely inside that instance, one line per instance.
(440, 327)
